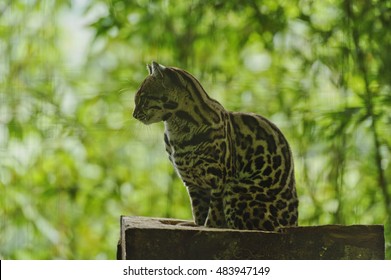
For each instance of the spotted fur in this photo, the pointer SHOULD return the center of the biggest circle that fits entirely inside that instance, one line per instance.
(237, 167)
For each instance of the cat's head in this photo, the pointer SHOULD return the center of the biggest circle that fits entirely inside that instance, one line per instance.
(157, 97)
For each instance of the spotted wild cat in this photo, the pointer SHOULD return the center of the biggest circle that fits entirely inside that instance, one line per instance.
(237, 167)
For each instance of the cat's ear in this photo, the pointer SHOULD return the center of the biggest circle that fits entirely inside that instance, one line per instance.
(156, 69)
(149, 67)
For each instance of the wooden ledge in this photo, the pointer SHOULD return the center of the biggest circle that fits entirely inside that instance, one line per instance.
(156, 238)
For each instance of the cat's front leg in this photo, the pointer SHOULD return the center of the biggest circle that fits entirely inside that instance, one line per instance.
(200, 200)
(216, 216)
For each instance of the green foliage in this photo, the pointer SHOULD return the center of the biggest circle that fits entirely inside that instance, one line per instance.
(72, 160)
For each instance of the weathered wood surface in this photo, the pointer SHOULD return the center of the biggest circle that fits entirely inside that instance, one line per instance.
(155, 238)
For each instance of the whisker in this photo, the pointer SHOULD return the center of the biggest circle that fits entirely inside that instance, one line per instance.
(123, 90)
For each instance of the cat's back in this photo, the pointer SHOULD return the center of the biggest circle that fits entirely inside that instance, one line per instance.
(260, 148)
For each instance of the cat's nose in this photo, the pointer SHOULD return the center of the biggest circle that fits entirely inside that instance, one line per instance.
(135, 114)
(139, 114)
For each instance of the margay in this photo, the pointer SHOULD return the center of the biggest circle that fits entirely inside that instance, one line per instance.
(237, 167)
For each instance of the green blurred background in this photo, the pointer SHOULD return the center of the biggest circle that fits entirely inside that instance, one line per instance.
(72, 159)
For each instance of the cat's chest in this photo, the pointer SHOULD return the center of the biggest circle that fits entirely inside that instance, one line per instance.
(200, 163)
(197, 157)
